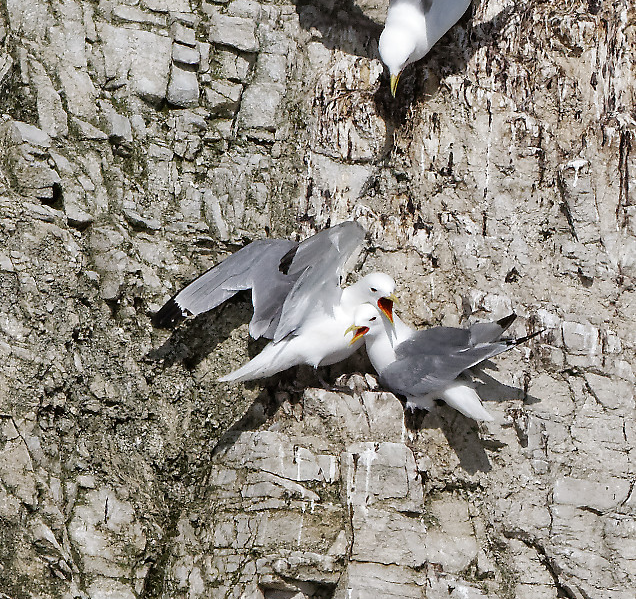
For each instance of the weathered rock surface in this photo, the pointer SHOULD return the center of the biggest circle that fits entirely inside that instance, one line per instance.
(141, 142)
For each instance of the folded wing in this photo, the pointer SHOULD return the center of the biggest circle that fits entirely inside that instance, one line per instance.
(433, 358)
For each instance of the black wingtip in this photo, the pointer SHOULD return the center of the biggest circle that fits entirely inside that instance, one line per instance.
(528, 337)
(169, 315)
(506, 321)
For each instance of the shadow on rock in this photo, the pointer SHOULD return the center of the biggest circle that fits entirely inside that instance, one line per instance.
(342, 26)
(262, 409)
(462, 434)
(490, 389)
(192, 341)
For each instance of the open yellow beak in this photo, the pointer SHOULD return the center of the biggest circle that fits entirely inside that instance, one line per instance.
(386, 306)
(358, 332)
(394, 83)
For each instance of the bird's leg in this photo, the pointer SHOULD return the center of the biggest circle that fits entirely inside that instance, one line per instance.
(335, 388)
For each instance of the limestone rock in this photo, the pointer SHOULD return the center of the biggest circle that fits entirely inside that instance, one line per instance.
(235, 32)
(144, 141)
(183, 89)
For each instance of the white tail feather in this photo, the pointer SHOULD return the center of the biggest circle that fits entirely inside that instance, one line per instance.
(271, 360)
(465, 400)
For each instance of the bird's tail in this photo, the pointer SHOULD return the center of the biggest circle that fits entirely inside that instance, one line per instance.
(465, 400)
(270, 361)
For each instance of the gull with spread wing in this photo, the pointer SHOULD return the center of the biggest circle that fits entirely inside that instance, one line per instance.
(296, 296)
(319, 341)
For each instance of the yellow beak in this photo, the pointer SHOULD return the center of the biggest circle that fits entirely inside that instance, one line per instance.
(358, 332)
(394, 83)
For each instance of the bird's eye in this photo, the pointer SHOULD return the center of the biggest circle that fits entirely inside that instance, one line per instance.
(373, 290)
(372, 319)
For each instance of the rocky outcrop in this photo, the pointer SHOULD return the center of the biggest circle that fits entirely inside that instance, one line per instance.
(141, 142)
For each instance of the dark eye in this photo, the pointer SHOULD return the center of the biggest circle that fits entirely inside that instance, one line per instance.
(372, 319)
(373, 290)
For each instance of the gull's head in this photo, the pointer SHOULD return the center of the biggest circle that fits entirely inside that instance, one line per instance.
(366, 321)
(397, 45)
(378, 289)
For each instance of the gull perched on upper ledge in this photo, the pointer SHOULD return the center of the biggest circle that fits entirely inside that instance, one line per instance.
(412, 28)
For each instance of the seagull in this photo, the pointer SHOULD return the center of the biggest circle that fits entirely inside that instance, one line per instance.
(424, 365)
(412, 28)
(319, 341)
(296, 295)
(286, 278)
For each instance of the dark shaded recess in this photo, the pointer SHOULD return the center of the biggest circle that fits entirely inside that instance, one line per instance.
(286, 260)
(311, 589)
(335, 19)
(168, 316)
(57, 199)
(198, 337)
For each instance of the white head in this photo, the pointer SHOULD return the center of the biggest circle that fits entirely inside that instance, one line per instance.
(397, 46)
(377, 288)
(367, 320)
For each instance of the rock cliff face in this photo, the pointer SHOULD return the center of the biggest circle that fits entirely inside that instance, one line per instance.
(145, 140)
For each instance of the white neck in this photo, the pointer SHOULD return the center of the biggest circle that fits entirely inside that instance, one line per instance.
(352, 296)
(379, 349)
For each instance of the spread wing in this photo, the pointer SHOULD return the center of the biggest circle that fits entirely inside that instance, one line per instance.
(319, 261)
(289, 281)
(255, 267)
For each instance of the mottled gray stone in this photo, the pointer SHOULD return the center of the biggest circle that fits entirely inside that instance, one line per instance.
(236, 32)
(133, 14)
(137, 220)
(223, 98)
(259, 106)
(79, 91)
(117, 126)
(183, 89)
(185, 54)
(596, 495)
(166, 5)
(141, 58)
(183, 35)
(51, 115)
(580, 338)
(233, 66)
(17, 132)
(88, 131)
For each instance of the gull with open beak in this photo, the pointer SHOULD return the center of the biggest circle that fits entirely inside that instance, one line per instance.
(319, 341)
(425, 365)
(412, 28)
(297, 298)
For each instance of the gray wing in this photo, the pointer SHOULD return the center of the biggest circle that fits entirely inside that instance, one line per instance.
(435, 357)
(448, 340)
(486, 332)
(320, 261)
(256, 267)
